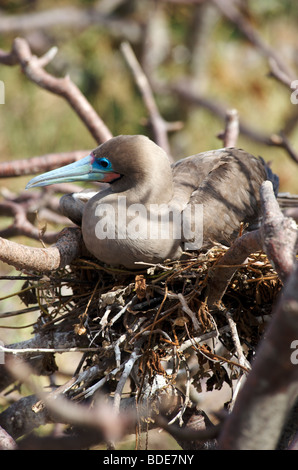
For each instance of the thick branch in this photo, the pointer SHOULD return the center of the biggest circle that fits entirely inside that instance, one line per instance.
(72, 17)
(184, 90)
(63, 252)
(221, 275)
(32, 67)
(231, 132)
(279, 234)
(43, 163)
(271, 388)
(230, 11)
(159, 125)
(6, 441)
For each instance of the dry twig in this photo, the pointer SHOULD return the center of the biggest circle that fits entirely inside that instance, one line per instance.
(32, 66)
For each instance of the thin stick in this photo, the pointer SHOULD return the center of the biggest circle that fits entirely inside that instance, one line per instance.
(159, 125)
(189, 312)
(233, 327)
(127, 369)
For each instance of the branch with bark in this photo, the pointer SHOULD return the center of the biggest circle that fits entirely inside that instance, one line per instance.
(271, 388)
(125, 337)
(278, 237)
(33, 67)
(64, 251)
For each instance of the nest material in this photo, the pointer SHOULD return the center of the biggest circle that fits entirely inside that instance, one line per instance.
(154, 324)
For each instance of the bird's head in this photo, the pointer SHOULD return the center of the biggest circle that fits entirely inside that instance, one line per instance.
(90, 168)
(124, 161)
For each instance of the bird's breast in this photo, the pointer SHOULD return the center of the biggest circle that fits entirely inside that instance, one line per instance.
(121, 233)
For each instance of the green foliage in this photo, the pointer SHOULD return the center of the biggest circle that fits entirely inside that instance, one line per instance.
(233, 74)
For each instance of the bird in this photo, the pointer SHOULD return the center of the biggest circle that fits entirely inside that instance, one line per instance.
(151, 210)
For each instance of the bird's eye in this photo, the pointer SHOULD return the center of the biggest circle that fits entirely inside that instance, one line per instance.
(104, 163)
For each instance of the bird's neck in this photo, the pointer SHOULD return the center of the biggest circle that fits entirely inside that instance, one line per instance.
(150, 189)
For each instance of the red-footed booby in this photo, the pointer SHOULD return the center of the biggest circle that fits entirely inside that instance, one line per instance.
(152, 211)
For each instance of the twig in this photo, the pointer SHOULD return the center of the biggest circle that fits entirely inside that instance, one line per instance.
(280, 140)
(6, 441)
(221, 274)
(279, 234)
(63, 252)
(39, 164)
(72, 17)
(188, 434)
(127, 369)
(32, 67)
(231, 132)
(184, 90)
(189, 312)
(230, 11)
(271, 388)
(180, 413)
(233, 327)
(28, 351)
(279, 74)
(22, 226)
(159, 125)
(91, 390)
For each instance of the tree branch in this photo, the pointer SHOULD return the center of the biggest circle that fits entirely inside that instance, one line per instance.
(32, 67)
(159, 125)
(64, 251)
(43, 163)
(271, 388)
(279, 234)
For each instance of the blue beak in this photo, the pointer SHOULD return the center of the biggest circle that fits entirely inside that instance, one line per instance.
(85, 169)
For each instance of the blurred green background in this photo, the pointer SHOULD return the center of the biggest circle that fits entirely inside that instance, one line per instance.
(172, 41)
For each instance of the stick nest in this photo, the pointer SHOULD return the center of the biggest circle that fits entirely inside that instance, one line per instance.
(154, 324)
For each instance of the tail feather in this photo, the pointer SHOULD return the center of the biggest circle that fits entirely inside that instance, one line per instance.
(271, 176)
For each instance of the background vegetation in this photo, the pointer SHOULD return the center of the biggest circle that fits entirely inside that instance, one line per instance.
(174, 41)
(187, 40)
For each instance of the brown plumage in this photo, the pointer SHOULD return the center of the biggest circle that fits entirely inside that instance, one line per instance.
(225, 181)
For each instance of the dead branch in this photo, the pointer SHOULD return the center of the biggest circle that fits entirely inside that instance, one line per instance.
(229, 10)
(279, 74)
(197, 432)
(111, 425)
(231, 132)
(271, 388)
(43, 163)
(6, 441)
(75, 18)
(221, 275)
(32, 66)
(21, 225)
(64, 251)
(184, 2)
(279, 234)
(27, 419)
(36, 349)
(184, 89)
(159, 125)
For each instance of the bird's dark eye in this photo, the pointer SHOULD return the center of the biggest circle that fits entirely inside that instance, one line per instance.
(104, 163)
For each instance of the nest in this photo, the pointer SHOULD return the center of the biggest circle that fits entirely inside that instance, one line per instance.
(154, 325)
